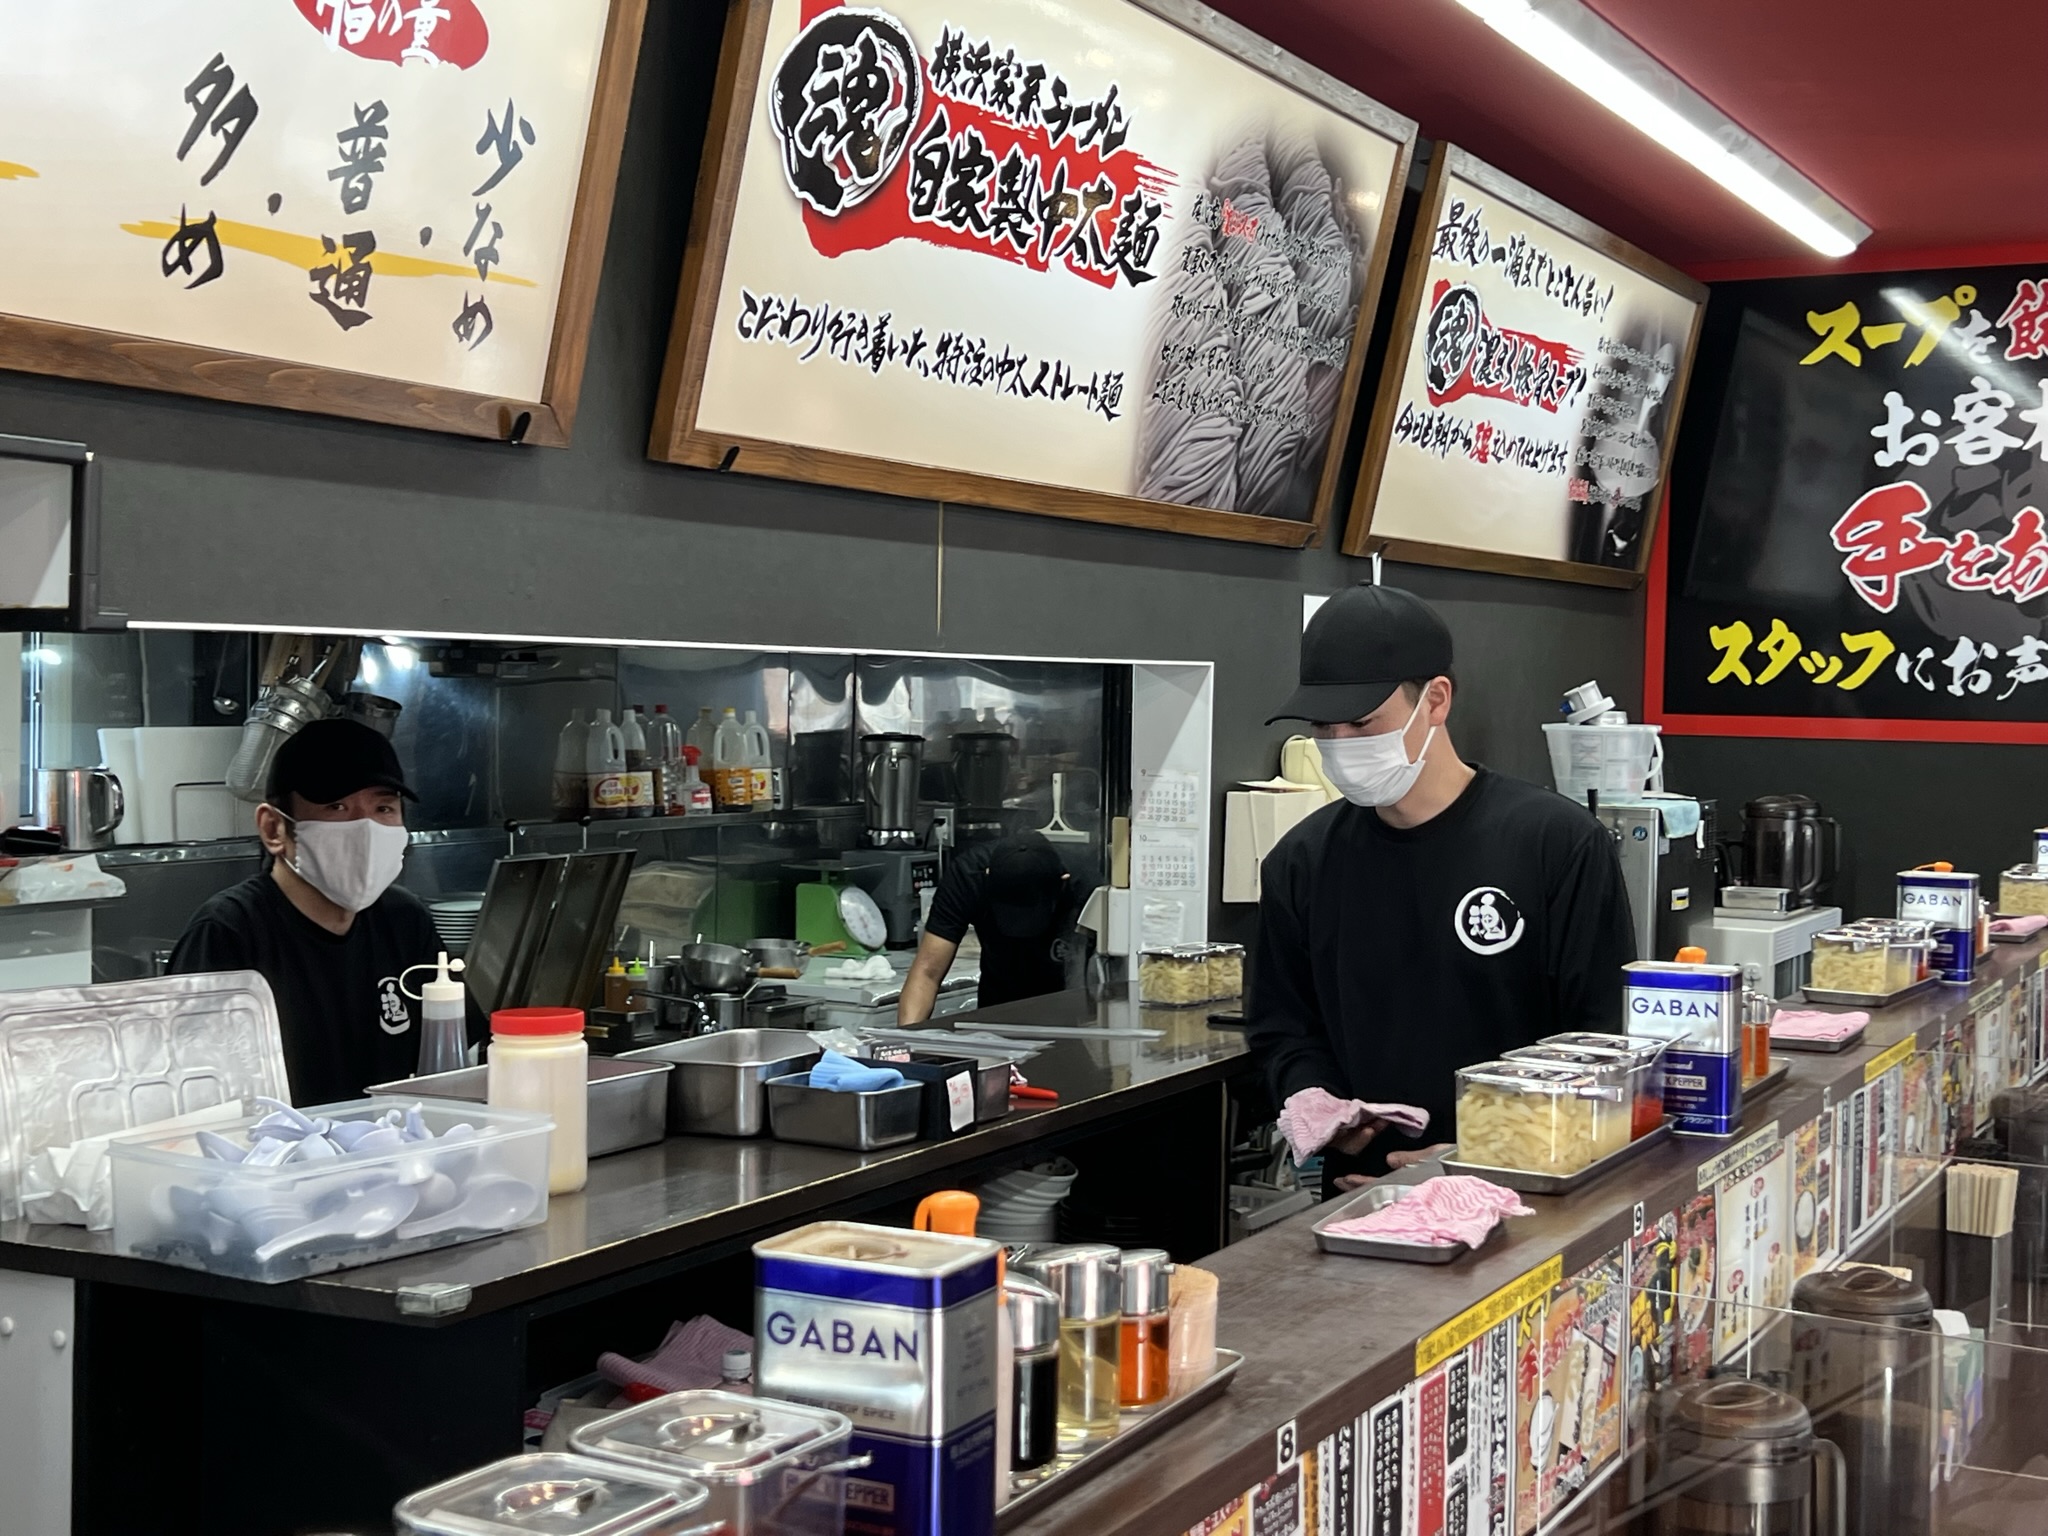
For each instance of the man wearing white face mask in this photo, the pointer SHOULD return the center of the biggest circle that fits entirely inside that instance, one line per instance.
(324, 924)
(1437, 915)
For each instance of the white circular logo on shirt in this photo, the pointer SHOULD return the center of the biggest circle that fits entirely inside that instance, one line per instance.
(391, 1014)
(1487, 922)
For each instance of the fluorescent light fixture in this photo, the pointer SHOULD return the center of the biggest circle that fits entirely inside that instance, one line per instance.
(1579, 46)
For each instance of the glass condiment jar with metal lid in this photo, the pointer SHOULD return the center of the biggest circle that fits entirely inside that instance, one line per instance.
(768, 1465)
(2023, 892)
(557, 1494)
(1538, 1117)
(1868, 960)
(1174, 977)
(1226, 971)
(1145, 1359)
(1088, 1280)
(1035, 1338)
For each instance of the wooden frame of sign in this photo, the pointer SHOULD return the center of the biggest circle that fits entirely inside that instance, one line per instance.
(144, 362)
(677, 440)
(1360, 537)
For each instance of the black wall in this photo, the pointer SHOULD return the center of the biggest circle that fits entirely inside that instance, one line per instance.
(224, 514)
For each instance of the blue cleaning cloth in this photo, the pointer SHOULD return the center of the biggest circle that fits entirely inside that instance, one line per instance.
(842, 1074)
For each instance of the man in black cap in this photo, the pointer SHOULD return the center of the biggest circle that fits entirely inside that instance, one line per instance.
(324, 924)
(1015, 895)
(1437, 915)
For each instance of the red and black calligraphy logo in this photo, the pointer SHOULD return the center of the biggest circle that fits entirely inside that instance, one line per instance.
(1465, 353)
(402, 31)
(845, 98)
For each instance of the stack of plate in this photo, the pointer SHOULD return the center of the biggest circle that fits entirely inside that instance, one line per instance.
(455, 920)
(1023, 1207)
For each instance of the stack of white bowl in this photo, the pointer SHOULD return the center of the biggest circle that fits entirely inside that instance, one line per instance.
(1023, 1206)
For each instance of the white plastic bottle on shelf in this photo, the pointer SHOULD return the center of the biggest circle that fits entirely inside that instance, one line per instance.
(702, 735)
(760, 768)
(731, 783)
(639, 767)
(694, 795)
(665, 753)
(570, 793)
(604, 768)
(539, 1062)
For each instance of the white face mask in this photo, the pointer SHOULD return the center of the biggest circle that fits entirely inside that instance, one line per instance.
(1374, 770)
(351, 863)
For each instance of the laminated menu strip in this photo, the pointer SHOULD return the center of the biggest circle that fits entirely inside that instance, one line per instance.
(1441, 1343)
(1888, 1058)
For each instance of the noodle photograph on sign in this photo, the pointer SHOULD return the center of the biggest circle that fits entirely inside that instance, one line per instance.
(1531, 397)
(1075, 257)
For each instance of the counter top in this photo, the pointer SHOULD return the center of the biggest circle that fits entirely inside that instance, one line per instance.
(1325, 1337)
(693, 1192)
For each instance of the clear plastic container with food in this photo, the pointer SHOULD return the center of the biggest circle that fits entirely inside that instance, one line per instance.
(1538, 1118)
(1869, 960)
(1176, 977)
(1645, 1058)
(2023, 892)
(1226, 971)
(1905, 930)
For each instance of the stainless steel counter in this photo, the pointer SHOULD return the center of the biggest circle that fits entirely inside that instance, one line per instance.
(692, 1192)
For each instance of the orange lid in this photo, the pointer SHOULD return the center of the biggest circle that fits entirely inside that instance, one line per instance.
(954, 1211)
(1692, 954)
(1939, 866)
(537, 1021)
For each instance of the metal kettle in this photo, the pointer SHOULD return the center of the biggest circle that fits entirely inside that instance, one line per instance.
(1740, 1456)
(890, 766)
(981, 770)
(1788, 843)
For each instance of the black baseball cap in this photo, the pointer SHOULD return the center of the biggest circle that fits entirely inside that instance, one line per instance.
(1361, 645)
(1026, 882)
(330, 760)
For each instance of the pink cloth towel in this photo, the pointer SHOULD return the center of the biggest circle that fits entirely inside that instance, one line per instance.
(1312, 1119)
(2019, 927)
(1455, 1208)
(1807, 1024)
(692, 1356)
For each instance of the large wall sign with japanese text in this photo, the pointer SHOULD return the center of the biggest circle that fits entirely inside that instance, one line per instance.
(388, 209)
(1075, 257)
(1535, 373)
(1859, 526)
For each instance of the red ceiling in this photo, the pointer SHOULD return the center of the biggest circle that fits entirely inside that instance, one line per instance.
(1924, 120)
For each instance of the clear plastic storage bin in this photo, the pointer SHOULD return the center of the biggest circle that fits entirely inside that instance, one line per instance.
(176, 1204)
(1537, 1118)
(1871, 959)
(1176, 977)
(1226, 971)
(1644, 1075)
(2023, 892)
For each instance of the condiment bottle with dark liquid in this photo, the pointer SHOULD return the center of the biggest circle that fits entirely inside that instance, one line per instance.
(1035, 1330)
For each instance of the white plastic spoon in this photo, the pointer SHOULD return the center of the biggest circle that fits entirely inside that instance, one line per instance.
(362, 1220)
(488, 1205)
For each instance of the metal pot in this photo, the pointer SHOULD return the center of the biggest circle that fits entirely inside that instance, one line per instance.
(718, 967)
(778, 954)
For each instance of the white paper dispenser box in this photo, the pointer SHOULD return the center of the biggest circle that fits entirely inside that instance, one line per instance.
(1255, 818)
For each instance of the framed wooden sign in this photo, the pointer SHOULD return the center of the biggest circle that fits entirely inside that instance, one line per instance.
(387, 209)
(1534, 377)
(1100, 259)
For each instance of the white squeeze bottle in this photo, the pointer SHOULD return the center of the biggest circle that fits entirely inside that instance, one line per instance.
(444, 1018)
(731, 783)
(760, 769)
(604, 768)
(569, 792)
(639, 777)
(539, 1062)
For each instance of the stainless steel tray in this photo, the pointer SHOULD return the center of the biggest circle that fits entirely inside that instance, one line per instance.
(626, 1106)
(1523, 1182)
(853, 1122)
(1378, 1198)
(1033, 1490)
(2013, 938)
(1769, 1083)
(717, 1086)
(1868, 999)
(1818, 1047)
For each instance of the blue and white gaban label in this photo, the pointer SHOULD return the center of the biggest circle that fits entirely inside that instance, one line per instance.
(1948, 900)
(1703, 1091)
(2041, 847)
(1697, 1005)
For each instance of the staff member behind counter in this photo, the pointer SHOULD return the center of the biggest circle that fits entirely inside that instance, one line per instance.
(1437, 915)
(324, 924)
(1017, 897)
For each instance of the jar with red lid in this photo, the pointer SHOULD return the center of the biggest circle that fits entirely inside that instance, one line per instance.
(539, 1062)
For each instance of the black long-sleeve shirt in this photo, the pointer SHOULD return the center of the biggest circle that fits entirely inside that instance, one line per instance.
(1389, 957)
